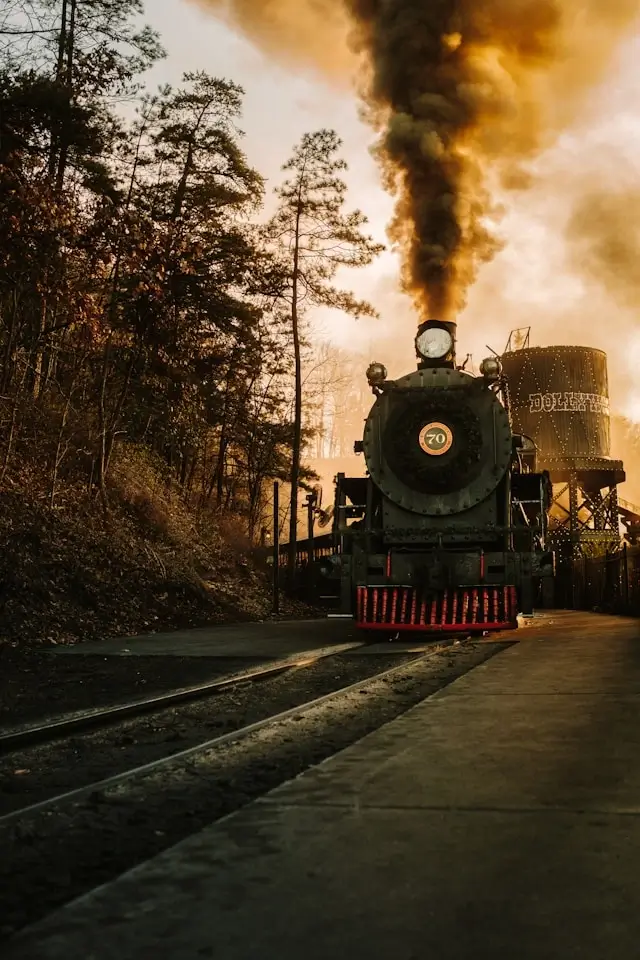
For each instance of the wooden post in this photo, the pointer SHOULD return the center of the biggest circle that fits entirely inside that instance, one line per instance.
(311, 508)
(276, 547)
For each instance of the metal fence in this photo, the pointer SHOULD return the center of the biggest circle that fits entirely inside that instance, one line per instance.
(609, 583)
(308, 550)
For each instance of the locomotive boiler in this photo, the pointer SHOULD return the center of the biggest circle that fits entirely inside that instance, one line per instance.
(447, 530)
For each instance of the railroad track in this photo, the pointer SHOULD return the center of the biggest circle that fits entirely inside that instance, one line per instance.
(176, 758)
(54, 729)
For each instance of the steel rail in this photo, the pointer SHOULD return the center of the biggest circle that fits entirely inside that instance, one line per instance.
(37, 734)
(80, 793)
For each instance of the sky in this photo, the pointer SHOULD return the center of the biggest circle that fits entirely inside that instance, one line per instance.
(279, 108)
(529, 283)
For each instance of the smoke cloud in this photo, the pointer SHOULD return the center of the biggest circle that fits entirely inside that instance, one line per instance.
(604, 242)
(463, 94)
(302, 33)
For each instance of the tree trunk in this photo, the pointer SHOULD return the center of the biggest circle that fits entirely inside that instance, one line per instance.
(218, 475)
(55, 126)
(102, 426)
(9, 360)
(60, 450)
(220, 471)
(68, 80)
(13, 426)
(36, 358)
(191, 476)
(117, 410)
(297, 413)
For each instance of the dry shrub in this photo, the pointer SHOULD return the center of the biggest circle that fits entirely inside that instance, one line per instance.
(141, 483)
(233, 532)
(70, 573)
(136, 482)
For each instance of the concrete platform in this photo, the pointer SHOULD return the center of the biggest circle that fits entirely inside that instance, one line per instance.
(267, 639)
(500, 817)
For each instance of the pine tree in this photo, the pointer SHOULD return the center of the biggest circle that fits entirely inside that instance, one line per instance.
(315, 237)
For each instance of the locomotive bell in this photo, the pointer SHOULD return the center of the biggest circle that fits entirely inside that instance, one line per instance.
(491, 368)
(376, 374)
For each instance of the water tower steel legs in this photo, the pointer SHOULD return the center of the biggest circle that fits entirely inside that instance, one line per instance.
(589, 527)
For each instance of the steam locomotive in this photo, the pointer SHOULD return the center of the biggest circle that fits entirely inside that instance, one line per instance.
(447, 531)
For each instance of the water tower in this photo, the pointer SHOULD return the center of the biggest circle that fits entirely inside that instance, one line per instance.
(559, 397)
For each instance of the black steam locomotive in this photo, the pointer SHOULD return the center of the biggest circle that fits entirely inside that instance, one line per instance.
(447, 531)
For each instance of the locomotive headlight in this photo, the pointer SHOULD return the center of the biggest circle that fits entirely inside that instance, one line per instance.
(434, 343)
(491, 368)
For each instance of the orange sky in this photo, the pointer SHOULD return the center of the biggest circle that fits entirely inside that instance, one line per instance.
(532, 282)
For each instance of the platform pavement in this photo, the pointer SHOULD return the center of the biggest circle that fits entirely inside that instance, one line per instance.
(269, 638)
(499, 817)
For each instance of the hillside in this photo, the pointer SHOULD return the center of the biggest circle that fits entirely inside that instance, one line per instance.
(70, 574)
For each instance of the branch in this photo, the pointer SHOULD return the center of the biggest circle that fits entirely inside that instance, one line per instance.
(25, 33)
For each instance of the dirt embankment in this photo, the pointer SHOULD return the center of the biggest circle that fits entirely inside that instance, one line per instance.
(69, 574)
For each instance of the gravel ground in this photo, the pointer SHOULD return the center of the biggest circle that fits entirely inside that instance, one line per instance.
(54, 857)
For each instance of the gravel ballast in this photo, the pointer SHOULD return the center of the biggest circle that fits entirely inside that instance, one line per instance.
(36, 773)
(36, 687)
(50, 858)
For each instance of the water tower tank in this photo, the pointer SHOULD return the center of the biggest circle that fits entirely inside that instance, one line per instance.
(560, 398)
